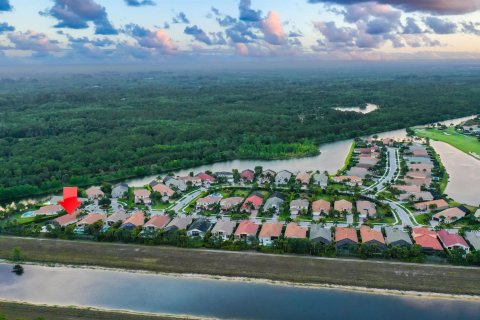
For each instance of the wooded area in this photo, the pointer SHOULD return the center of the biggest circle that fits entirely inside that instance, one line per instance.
(85, 129)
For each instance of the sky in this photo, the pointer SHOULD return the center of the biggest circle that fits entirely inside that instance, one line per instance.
(103, 31)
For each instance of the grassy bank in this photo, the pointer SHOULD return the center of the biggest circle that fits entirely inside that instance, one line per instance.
(13, 310)
(298, 269)
(467, 144)
(348, 158)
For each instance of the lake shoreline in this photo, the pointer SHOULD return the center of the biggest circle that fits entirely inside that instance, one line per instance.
(321, 286)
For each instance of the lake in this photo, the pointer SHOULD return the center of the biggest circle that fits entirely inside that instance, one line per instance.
(367, 109)
(464, 171)
(215, 298)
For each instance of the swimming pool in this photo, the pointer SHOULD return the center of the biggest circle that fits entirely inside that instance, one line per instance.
(29, 214)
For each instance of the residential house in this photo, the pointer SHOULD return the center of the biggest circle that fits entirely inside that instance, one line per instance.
(142, 196)
(420, 153)
(228, 176)
(343, 206)
(397, 237)
(423, 160)
(431, 205)
(421, 167)
(366, 209)
(449, 215)
(416, 196)
(358, 172)
(408, 188)
(345, 238)
(137, 219)
(367, 162)
(453, 241)
(267, 176)
(319, 234)
(427, 239)
(179, 223)
(252, 204)
(247, 175)
(372, 237)
(207, 203)
(49, 210)
(283, 177)
(349, 180)
(94, 193)
(274, 203)
(157, 222)
(90, 219)
(223, 229)
(320, 207)
(206, 178)
(119, 216)
(294, 231)
(193, 181)
(246, 231)
(67, 219)
(165, 191)
(269, 233)
(320, 179)
(230, 204)
(303, 177)
(199, 228)
(299, 206)
(473, 237)
(119, 190)
(153, 183)
(423, 182)
(175, 184)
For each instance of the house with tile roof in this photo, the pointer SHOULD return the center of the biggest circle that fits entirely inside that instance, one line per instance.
(252, 204)
(270, 232)
(274, 203)
(175, 184)
(397, 237)
(345, 238)
(137, 219)
(473, 237)
(319, 234)
(67, 219)
(449, 215)
(230, 204)
(199, 228)
(343, 206)
(165, 191)
(246, 231)
(224, 229)
(283, 177)
(94, 193)
(142, 196)
(157, 222)
(427, 239)
(427, 206)
(408, 188)
(320, 207)
(320, 179)
(453, 241)
(247, 175)
(267, 176)
(91, 219)
(119, 216)
(179, 223)
(348, 180)
(119, 190)
(294, 231)
(208, 202)
(49, 210)
(372, 237)
(206, 178)
(366, 209)
(299, 206)
(358, 172)
(303, 177)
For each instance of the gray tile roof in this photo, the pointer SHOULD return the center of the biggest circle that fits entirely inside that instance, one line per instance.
(317, 231)
(473, 238)
(394, 234)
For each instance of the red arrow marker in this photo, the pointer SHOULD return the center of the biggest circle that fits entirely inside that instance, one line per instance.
(70, 201)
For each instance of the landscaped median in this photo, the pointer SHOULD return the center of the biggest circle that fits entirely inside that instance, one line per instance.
(297, 269)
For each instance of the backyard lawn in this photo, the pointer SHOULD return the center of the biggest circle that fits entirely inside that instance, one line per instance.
(467, 144)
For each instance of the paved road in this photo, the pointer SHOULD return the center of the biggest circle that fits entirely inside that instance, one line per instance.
(186, 200)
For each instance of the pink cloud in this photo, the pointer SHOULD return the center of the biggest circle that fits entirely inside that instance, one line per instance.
(272, 28)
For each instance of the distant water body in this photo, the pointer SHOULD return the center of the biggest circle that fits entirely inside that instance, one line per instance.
(216, 298)
(367, 109)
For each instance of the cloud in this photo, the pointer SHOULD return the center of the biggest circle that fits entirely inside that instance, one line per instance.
(412, 27)
(139, 3)
(33, 41)
(440, 26)
(75, 14)
(180, 18)
(247, 13)
(5, 5)
(198, 34)
(338, 36)
(443, 7)
(4, 27)
(472, 28)
(363, 12)
(272, 29)
(158, 40)
(379, 26)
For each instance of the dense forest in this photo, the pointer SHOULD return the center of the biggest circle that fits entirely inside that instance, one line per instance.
(86, 128)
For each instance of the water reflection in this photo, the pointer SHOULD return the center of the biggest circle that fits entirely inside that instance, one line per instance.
(367, 109)
(215, 298)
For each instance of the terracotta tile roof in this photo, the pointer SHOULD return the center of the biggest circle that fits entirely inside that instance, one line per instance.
(368, 234)
(420, 231)
(231, 202)
(94, 192)
(428, 242)
(67, 219)
(346, 233)
(92, 218)
(136, 219)
(366, 207)
(50, 209)
(450, 214)
(206, 177)
(303, 177)
(269, 230)
(247, 174)
(451, 239)
(321, 205)
(163, 190)
(342, 205)
(246, 227)
(253, 199)
(159, 222)
(141, 193)
(293, 230)
(406, 188)
(426, 205)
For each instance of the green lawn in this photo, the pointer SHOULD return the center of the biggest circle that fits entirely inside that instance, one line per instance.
(460, 141)
(348, 158)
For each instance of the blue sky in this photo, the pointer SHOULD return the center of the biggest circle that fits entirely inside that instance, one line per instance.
(46, 31)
